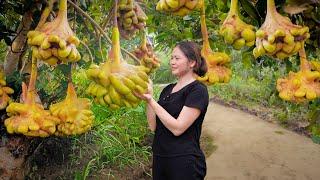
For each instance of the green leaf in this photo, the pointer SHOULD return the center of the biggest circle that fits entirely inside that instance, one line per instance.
(64, 68)
(251, 10)
(247, 59)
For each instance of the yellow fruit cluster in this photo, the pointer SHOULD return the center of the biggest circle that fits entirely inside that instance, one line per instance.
(179, 7)
(300, 86)
(131, 18)
(217, 62)
(278, 37)
(4, 92)
(315, 65)
(30, 118)
(54, 42)
(235, 31)
(218, 71)
(115, 81)
(146, 55)
(74, 114)
(115, 89)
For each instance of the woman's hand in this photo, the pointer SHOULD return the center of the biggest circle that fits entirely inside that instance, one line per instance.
(148, 95)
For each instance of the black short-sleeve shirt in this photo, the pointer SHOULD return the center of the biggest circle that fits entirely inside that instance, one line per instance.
(165, 143)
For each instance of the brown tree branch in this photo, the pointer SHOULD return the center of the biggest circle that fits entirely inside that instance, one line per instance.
(17, 50)
(99, 28)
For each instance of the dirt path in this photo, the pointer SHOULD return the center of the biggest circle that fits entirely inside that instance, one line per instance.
(249, 148)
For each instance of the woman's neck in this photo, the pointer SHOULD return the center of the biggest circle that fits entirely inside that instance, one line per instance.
(185, 80)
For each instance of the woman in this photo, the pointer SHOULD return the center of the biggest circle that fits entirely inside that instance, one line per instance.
(177, 118)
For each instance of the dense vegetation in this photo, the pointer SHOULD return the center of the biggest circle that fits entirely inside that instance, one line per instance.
(120, 137)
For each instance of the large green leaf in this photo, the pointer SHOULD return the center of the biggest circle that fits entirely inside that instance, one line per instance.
(251, 10)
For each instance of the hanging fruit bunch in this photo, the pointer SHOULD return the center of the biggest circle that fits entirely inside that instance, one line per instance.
(115, 80)
(5, 91)
(146, 56)
(54, 42)
(278, 37)
(74, 114)
(131, 18)
(217, 62)
(179, 7)
(28, 117)
(302, 85)
(315, 65)
(235, 31)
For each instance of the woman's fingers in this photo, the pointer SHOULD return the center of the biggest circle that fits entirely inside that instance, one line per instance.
(137, 94)
(144, 97)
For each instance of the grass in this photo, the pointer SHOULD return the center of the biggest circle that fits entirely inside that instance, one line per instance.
(116, 140)
(119, 139)
(255, 87)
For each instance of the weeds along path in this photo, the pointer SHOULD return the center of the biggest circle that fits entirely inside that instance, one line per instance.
(249, 148)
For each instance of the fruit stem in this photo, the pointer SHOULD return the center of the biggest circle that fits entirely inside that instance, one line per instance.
(233, 7)
(32, 81)
(71, 93)
(304, 64)
(45, 14)
(63, 11)
(204, 30)
(115, 39)
(63, 5)
(271, 8)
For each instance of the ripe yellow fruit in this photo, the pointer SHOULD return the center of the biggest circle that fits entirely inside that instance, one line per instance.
(54, 42)
(217, 62)
(74, 114)
(179, 7)
(301, 86)
(4, 92)
(235, 31)
(115, 81)
(278, 36)
(147, 57)
(30, 118)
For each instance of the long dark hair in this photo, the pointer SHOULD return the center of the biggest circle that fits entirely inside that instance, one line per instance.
(193, 52)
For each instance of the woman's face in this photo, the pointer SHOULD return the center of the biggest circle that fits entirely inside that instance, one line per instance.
(179, 63)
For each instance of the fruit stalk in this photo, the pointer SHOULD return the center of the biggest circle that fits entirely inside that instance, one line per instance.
(115, 40)
(71, 93)
(204, 30)
(32, 82)
(233, 7)
(272, 13)
(45, 14)
(271, 7)
(304, 64)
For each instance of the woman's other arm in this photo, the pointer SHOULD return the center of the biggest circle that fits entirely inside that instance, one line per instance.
(177, 126)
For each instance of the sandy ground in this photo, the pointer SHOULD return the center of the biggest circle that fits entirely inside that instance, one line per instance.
(249, 148)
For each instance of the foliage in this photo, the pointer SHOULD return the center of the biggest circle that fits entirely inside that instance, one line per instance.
(253, 85)
(163, 74)
(118, 138)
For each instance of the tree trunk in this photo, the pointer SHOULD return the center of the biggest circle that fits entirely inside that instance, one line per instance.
(14, 149)
(17, 49)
